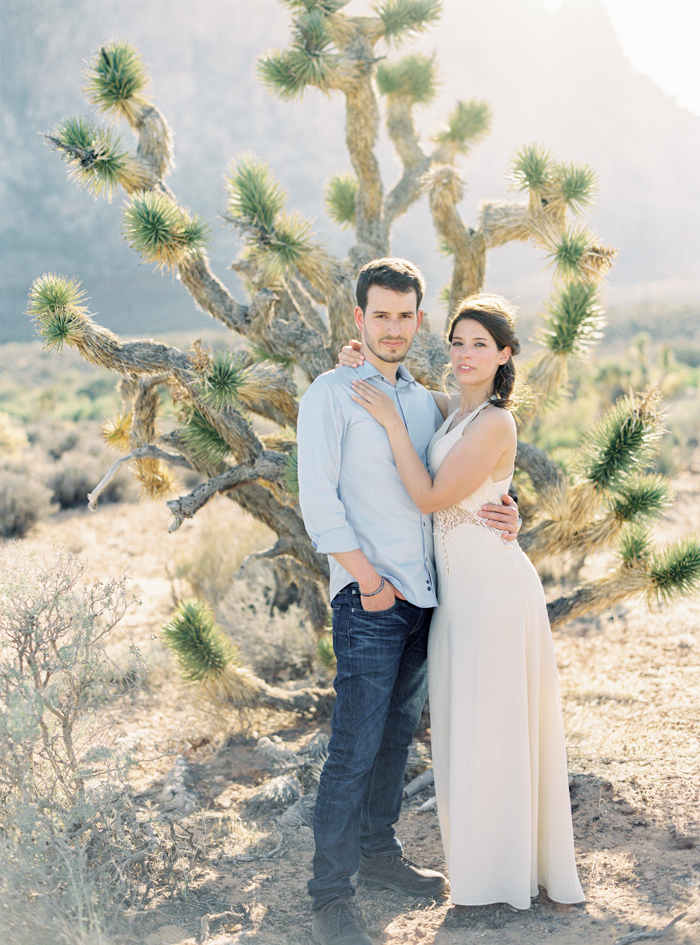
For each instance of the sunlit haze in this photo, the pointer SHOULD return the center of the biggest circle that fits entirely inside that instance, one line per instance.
(659, 37)
(661, 40)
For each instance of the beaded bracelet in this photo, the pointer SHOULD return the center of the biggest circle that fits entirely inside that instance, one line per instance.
(374, 593)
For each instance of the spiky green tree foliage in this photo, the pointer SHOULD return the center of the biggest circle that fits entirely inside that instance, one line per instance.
(300, 297)
(205, 656)
(204, 653)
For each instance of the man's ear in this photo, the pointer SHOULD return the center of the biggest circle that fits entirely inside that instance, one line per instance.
(359, 318)
(419, 318)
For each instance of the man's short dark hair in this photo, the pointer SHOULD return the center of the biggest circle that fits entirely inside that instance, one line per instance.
(389, 273)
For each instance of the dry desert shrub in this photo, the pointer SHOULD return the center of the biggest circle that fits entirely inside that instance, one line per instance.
(271, 631)
(214, 559)
(683, 437)
(24, 499)
(76, 474)
(69, 833)
(277, 644)
(32, 488)
(52, 465)
(73, 459)
(52, 438)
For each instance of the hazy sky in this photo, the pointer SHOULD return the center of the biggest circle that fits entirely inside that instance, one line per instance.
(661, 39)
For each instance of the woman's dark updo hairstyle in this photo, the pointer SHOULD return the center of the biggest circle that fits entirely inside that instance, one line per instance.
(498, 318)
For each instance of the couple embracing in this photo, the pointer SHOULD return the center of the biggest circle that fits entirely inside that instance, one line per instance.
(379, 457)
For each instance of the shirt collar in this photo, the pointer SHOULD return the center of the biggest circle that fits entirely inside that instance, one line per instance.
(366, 370)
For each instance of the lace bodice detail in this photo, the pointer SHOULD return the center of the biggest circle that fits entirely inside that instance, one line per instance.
(464, 513)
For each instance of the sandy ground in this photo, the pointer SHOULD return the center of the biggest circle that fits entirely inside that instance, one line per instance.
(631, 691)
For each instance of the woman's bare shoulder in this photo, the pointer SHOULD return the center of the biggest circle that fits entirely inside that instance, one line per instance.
(495, 420)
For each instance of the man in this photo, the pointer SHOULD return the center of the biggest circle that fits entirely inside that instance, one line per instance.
(382, 589)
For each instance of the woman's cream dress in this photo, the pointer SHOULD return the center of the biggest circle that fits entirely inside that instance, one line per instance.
(497, 733)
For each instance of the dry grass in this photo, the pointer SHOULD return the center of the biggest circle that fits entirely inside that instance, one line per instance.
(212, 559)
(277, 645)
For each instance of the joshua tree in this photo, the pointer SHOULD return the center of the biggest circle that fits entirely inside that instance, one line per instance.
(300, 300)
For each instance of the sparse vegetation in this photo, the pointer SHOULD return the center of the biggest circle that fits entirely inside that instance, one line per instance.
(211, 566)
(207, 658)
(260, 613)
(73, 477)
(274, 635)
(68, 827)
(600, 382)
(24, 501)
(13, 439)
(630, 702)
(54, 465)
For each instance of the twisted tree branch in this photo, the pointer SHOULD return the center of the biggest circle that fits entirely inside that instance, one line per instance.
(270, 467)
(143, 452)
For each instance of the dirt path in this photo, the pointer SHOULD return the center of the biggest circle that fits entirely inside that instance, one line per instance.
(631, 691)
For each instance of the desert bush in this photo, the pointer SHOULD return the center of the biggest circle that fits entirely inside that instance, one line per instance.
(24, 500)
(249, 601)
(207, 657)
(277, 644)
(61, 466)
(596, 385)
(53, 437)
(680, 443)
(71, 479)
(69, 834)
(270, 633)
(70, 458)
(211, 564)
(75, 475)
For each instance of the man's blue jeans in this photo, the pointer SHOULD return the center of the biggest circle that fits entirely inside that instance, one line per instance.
(381, 685)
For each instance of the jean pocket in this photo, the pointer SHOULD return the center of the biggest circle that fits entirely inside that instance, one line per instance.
(379, 613)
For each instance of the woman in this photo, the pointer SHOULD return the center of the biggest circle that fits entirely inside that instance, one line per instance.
(497, 733)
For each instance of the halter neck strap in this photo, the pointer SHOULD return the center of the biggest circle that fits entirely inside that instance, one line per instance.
(469, 417)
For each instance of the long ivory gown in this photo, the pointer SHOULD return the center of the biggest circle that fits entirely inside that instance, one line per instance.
(499, 755)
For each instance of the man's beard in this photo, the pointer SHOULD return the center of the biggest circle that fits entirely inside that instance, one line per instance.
(388, 357)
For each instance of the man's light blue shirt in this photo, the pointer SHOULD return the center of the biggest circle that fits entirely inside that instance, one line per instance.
(350, 491)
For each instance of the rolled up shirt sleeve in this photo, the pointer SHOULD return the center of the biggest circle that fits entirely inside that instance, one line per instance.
(320, 431)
